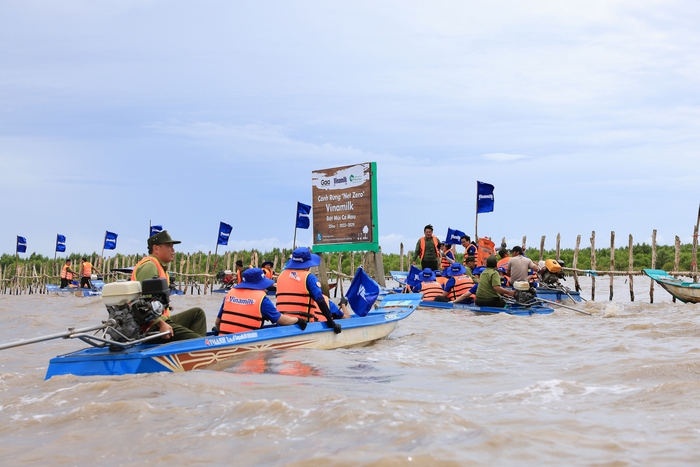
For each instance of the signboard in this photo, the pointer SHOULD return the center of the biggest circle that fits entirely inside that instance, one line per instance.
(345, 208)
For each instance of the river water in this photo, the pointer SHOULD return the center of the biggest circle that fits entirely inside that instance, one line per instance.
(446, 388)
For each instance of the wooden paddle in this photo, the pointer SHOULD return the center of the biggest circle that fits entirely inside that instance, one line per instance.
(564, 306)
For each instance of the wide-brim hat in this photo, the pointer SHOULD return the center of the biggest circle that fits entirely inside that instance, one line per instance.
(478, 270)
(302, 258)
(455, 269)
(254, 278)
(427, 275)
(161, 238)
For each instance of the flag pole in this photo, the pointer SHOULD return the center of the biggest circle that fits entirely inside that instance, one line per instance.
(102, 261)
(294, 243)
(476, 222)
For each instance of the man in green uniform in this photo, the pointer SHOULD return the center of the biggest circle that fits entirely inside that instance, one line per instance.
(489, 291)
(427, 250)
(469, 265)
(189, 324)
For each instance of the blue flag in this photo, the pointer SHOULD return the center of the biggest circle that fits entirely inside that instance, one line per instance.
(60, 243)
(110, 240)
(413, 278)
(21, 244)
(362, 293)
(453, 236)
(224, 233)
(155, 229)
(484, 197)
(303, 211)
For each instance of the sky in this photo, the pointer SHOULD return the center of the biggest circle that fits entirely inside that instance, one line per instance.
(584, 115)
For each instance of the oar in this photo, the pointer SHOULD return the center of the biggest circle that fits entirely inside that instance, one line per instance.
(64, 335)
(565, 306)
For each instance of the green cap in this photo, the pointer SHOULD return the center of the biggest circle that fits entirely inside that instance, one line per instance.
(161, 238)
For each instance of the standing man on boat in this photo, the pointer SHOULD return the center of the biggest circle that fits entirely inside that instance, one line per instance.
(470, 248)
(190, 324)
(490, 290)
(66, 274)
(86, 270)
(246, 306)
(427, 249)
(518, 265)
(299, 294)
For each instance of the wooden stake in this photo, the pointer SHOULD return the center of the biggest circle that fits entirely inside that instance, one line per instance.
(593, 266)
(630, 260)
(653, 265)
(575, 264)
(542, 248)
(612, 262)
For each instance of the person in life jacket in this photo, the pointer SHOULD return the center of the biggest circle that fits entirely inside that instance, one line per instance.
(504, 258)
(447, 257)
(239, 271)
(470, 248)
(505, 280)
(66, 274)
(428, 286)
(86, 271)
(298, 292)
(189, 324)
(269, 273)
(427, 249)
(468, 297)
(246, 306)
(458, 282)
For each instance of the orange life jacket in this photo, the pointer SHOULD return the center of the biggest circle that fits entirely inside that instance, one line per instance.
(442, 280)
(242, 311)
(87, 269)
(430, 290)
(444, 262)
(486, 249)
(462, 285)
(161, 274)
(294, 298)
(66, 274)
(239, 276)
(268, 273)
(422, 247)
(503, 262)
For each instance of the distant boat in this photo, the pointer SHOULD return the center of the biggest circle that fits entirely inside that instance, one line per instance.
(94, 291)
(686, 292)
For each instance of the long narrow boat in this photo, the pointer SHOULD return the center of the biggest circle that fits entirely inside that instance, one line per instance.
(515, 309)
(94, 291)
(214, 352)
(558, 294)
(686, 292)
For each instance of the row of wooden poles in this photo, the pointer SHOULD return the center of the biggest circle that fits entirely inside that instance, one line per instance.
(26, 279)
(593, 272)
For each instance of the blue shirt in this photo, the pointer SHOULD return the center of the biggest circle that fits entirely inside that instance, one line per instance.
(267, 308)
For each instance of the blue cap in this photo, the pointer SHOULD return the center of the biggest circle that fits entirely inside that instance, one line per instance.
(427, 275)
(478, 270)
(254, 278)
(302, 258)
(456, 269)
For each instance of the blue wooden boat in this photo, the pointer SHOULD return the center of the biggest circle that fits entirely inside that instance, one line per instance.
(558, 295)
(686, 292)
(215, 352)
(94, 291)
(511, 309)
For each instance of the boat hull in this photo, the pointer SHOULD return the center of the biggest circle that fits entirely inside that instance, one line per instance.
(686, 292)
(488, 310)
(215, 352)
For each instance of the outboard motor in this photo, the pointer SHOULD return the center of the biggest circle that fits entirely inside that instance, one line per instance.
(133, 305)
(524, 292)
(552, 272)
(226, 278)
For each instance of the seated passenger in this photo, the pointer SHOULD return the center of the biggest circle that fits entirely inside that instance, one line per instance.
(428, 286)
(490, 289)
(246, 306)
(458, 282)
(505, 280)
(467, 297)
